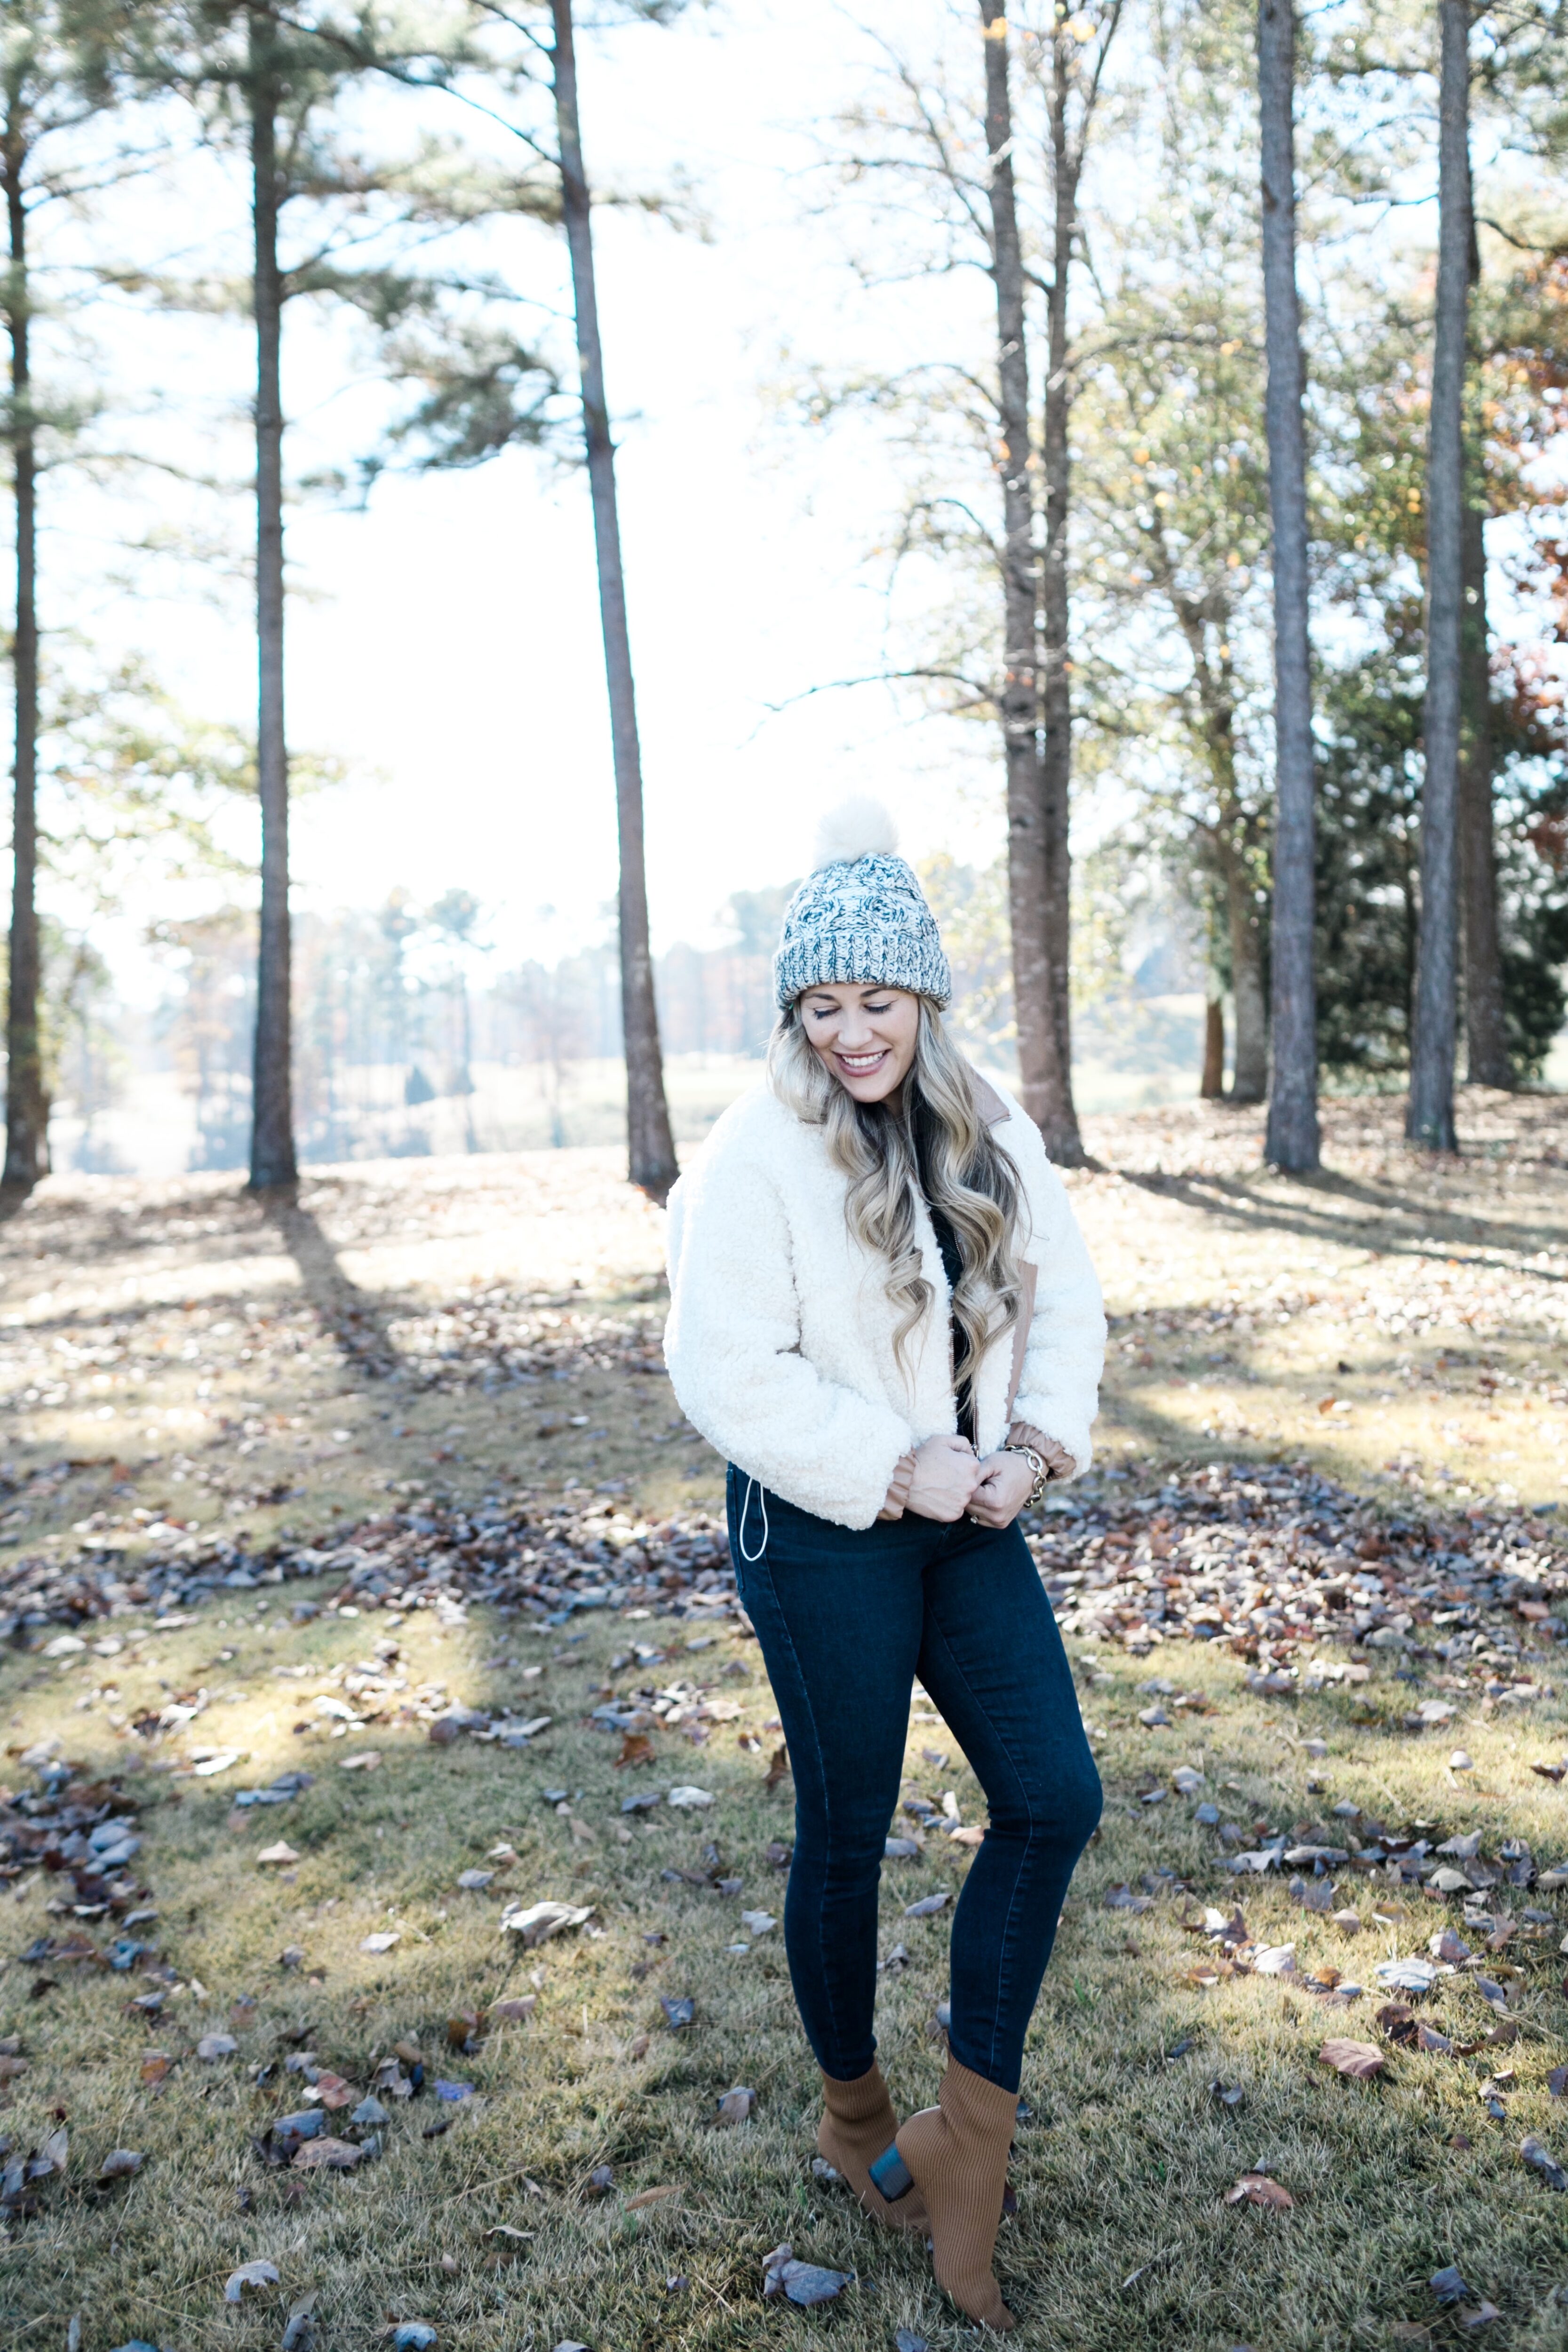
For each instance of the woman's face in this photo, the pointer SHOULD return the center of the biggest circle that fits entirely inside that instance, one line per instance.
(865, 1036)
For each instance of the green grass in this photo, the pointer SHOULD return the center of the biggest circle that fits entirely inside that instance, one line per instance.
(1122, 2236)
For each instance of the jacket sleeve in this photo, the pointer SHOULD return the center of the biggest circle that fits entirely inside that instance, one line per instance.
(732, 1347)
(1058, 1386)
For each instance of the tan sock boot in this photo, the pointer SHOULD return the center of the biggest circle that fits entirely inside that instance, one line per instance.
(957, 2154)
(857, 2128)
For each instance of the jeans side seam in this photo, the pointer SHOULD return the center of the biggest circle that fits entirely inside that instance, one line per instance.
(823, 1973)
(1004, 1963)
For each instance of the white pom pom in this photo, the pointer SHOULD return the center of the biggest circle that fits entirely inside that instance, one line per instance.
(860, 828)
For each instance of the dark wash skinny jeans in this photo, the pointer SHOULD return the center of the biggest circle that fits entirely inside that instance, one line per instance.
(846, 1618)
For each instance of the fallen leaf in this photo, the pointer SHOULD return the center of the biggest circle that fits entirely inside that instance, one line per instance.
(1257, 2189)
(333, 2155)
(1428, 2038)
(509, 2012)
(1275, 1960)
(382, 1941)
(463, 2026)
(330, 2090)
(250, 2274)
(155, 2067)
(1448, 2285)
(678, 2013)
(691, 1799)
(279, 1852)
(474, 1882)
(906, 2340)
(735, 2107)
(216, 2045)
(1349, 1923)
(364, 1759)
(300, 2332)
(927, 1907)
(1361, 2060)
(541, 1920)
(1482, 2316)
(1450, 1947)
(1121, 1898)
(413, 2336)
(803, 2283)
(758, 1923)
(120, 2163)
(637, 1748)
(778, 1769)
(1557, 2082)
(1544, 2162)
(647, 2196)
(638, 2046)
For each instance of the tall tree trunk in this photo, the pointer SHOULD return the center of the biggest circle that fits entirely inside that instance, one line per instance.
(1292, 1140)
(1211, 1085)
(1045, 1081)
(26, 1110)
(1486, 1034)
(1060, 1119)
(1249, 1066)
(651, 1145)
(1430, 1119)
(272, 1120)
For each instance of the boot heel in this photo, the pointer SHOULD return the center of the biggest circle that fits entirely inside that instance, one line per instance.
(891, 2174)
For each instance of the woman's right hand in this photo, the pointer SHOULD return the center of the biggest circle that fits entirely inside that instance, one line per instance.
(946, 1474)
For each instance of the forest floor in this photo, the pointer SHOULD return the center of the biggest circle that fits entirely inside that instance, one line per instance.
(386, 1489)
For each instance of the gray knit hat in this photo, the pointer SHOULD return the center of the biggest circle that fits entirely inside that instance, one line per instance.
(860, 914)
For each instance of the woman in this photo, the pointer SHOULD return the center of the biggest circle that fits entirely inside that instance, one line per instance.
(882, 1312)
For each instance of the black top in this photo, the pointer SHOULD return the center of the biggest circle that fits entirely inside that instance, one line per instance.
(953, 1266)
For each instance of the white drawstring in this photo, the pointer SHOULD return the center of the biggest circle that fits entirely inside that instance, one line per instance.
(751, 1558)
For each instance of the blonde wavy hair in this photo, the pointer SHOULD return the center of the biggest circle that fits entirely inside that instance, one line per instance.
(968, 1177)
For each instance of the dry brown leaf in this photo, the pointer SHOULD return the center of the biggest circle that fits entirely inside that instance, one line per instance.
(637, 1748)
(1257, 2189)
(1360, 2060)
(779, 1768)
(328, 2154)
(332, 2091)
(647, 2196)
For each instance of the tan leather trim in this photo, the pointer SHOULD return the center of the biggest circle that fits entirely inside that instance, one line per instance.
(1029, 1277)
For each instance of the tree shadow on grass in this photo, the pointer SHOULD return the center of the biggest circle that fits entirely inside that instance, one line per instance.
(352, 1318)
(1241, 1204)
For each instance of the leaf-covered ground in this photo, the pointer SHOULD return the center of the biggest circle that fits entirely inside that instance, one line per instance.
(1316, 1648)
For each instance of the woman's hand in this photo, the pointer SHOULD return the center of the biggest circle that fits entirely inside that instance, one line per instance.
(945, 1473)
(1004, 1486)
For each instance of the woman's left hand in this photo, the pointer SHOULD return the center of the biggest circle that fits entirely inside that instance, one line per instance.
(1004, 1486)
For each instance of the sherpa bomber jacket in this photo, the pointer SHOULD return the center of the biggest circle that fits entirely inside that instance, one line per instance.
(780, 1337)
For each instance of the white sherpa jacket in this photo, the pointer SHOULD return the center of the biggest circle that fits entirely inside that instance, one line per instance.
(780, 1337)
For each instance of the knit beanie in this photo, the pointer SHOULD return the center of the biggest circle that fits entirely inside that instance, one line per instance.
(860, 914)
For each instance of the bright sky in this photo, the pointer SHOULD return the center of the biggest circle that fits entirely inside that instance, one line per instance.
(445, 643)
